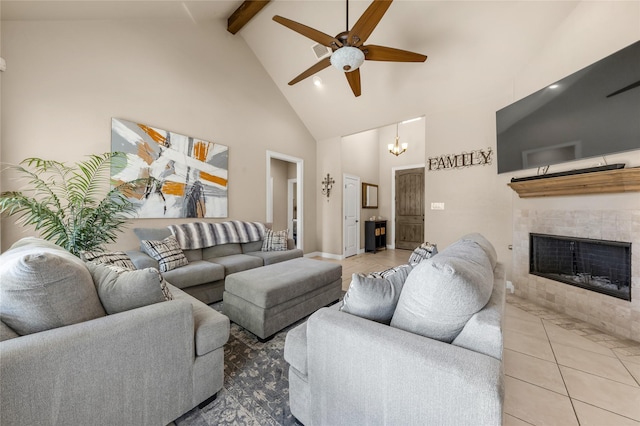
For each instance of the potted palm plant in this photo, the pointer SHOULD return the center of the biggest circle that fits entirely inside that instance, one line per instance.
(67, 204)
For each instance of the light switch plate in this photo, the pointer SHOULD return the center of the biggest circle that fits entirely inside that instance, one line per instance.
(437, 206)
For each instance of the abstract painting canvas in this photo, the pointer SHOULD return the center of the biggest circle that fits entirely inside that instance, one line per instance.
(178, 176)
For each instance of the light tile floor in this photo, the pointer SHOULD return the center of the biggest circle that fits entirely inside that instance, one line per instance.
(558, 370)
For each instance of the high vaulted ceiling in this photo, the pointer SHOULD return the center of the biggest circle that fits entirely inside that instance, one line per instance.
(474, 49)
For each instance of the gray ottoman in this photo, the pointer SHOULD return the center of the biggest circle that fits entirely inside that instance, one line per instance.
(265, 300)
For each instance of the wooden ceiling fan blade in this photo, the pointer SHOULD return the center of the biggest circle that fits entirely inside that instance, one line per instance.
(367, 22)
(313, 34)
(353, 78)
(382, 53)
(312, 70)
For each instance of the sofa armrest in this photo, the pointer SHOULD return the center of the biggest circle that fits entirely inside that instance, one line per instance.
(77, 374)
(363, 372)
(211, 328)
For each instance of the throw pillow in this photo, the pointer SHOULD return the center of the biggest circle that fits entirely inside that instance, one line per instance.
(375, 297)
(486, 246)
(443, 292)
(121, 290)
(167, 252)
(388, 272)
(44, 287)
(422, 252)
(116, 258)
(151, 234)
(275, 240)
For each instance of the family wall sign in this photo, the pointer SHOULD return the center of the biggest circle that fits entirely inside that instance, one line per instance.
(480, 157)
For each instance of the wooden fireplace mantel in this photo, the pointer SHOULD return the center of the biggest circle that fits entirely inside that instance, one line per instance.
(603, 182)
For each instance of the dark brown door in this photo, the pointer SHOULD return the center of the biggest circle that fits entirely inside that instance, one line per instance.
(409, 208)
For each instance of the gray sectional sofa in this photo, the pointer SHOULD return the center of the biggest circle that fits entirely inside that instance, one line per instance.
(66, 361)
(439, 362)
(204, 276)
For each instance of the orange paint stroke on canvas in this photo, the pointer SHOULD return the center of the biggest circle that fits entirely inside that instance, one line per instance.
(126, 190)
(157, 137)
(173, 188)
(213, 179)
(145, 152)
(201, 150)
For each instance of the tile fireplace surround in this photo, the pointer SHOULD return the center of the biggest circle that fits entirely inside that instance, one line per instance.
(609, 313)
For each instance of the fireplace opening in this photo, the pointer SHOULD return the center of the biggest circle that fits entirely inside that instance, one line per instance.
(597, 265)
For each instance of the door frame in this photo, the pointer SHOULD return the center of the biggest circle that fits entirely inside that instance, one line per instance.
(393, 200)
(299, 191)
(290, 183)
(346, 176)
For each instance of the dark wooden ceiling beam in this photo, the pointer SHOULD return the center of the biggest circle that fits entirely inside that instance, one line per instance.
(247, 10)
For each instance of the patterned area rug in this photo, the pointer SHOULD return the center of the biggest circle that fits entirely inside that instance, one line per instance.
(256, 384)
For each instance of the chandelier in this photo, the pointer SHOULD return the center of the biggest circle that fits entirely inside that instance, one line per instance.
(395, 148)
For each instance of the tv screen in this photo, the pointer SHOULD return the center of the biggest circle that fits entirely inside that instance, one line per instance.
(590, 113)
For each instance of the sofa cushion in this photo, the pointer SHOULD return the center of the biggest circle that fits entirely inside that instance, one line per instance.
(117, 258)
(275, 240)
(167, 252)
(486, 246)
(122, 290)
(142, 260)
(443, 292)
(237, 263)
(375, 298)
(6, 332)
(251, 247)
(271, 257)
(422, 252)
(221, 250)
(195, 273)
(44, 287)
(193, 254)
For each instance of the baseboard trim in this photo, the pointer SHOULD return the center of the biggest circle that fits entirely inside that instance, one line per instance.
(326, 255)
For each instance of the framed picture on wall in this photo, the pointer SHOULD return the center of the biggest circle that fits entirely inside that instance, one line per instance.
(178, 176)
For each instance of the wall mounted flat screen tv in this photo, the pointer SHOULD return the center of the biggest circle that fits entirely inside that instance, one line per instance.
(590, 113)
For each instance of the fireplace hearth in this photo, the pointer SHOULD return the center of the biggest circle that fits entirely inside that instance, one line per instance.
(598, 265)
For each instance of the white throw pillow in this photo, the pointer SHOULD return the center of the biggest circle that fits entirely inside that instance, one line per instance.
(443, 292)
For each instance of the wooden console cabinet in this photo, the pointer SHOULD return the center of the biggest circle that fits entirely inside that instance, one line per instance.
(375, 235)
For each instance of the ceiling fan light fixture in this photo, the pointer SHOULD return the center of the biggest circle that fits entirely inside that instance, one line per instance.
(347, 58)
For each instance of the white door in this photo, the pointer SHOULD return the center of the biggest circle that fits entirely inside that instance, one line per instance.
(351, 207)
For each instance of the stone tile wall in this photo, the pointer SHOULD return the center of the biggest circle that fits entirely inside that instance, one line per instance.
(609, 313)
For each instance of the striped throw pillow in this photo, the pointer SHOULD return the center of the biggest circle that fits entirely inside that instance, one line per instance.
(167, 252)
(115, 258)
(275, 240)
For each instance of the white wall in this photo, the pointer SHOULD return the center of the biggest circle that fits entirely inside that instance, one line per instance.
(362, 156)
(329, 227)
(67, 79)
(476, 198)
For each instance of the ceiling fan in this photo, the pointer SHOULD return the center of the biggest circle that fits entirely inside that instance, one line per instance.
(349, 51)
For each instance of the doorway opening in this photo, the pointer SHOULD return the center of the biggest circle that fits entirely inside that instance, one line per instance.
(282, 170)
